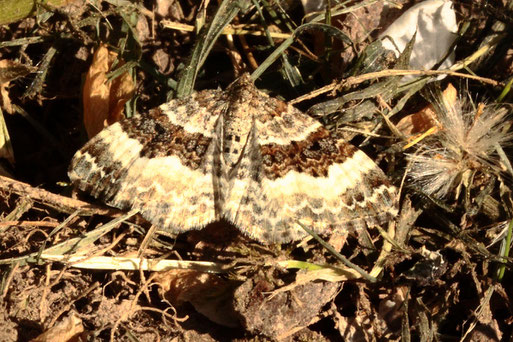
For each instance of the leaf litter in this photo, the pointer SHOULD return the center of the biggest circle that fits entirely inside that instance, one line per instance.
(75, 270)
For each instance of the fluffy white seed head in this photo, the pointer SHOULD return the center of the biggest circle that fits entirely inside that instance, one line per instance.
(466, 142)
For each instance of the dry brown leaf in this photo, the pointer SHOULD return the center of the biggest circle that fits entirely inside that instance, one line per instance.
(6, 150)
(68, 329)
(425, 119)
(209, 294)
(283, 313)
(104, 100)
(9, 71)
(96, 92)
(121, 92)
(6, 101)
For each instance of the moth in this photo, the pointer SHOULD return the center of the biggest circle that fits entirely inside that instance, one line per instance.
(237, 155)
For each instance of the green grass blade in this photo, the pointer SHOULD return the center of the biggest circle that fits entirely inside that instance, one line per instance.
(206, 40)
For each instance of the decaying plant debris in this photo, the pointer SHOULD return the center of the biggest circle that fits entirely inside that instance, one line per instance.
(75, 270)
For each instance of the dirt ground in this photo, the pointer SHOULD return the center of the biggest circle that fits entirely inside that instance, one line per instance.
(439, 271)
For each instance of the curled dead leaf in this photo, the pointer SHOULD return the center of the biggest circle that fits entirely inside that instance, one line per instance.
(68, 329)
(209, 294)
(104, 99)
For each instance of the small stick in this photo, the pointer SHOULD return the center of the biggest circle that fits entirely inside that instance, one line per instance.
(354, 80)
(58, 202)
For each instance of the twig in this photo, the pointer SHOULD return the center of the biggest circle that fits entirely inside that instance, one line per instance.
(353, 80)
(387, 73)
(8, 280)
(58, 202)
(30, 223)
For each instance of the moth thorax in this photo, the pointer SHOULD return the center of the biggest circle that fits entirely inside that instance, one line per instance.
(234, 140)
